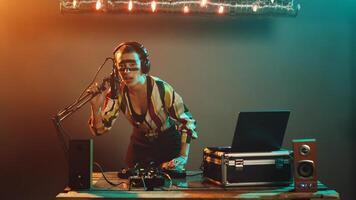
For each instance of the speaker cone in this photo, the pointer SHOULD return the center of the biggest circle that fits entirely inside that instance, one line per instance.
(305, 169)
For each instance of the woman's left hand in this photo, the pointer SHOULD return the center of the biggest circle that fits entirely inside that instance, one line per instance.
(176, 164)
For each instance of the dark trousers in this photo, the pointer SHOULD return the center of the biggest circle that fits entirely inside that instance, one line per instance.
(144, 152)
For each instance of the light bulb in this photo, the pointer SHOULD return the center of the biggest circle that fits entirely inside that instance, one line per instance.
(153, 6)
(130, 5)
(74, 3)
(186, 9)
(98, 5)
(221, 10)
(203, 3)
(254, 8)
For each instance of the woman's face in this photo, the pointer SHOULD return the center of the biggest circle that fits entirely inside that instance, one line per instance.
(129, 67)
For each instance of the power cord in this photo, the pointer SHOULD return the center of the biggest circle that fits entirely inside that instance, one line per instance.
(106, 179)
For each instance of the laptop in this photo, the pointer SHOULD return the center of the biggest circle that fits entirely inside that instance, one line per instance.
(260, 131)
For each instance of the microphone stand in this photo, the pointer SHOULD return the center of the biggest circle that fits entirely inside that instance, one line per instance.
(68, 111)
(75, 106)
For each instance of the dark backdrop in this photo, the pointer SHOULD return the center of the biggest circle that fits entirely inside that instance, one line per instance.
(220, 65)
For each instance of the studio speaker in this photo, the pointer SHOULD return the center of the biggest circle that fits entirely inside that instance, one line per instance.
(305, 176)
(80, 156)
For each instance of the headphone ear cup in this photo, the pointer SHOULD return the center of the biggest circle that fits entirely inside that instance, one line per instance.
(145, 66)
(148, 66)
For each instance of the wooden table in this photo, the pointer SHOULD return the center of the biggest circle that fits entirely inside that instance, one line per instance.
(192, 187)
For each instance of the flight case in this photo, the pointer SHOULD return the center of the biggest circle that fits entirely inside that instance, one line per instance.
(227, 168)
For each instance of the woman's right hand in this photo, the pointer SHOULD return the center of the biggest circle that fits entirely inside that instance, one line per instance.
(98, 101)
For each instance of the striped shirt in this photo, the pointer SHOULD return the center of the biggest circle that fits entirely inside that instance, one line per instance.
(165, 109)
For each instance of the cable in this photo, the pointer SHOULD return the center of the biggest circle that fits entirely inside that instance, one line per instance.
(106, 179)
(199, 173)
(144, 184)
(91, 83)
(95, 76)
(189, 187)
(169, 178)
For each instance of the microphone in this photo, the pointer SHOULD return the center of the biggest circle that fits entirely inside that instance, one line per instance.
(114, 80)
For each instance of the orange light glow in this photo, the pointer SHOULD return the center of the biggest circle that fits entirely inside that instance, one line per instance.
(186, 9)
(98, 5)
(153, 6)
(221, 10)
(130, 5)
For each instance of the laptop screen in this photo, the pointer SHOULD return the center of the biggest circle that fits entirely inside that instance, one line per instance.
(260, 131)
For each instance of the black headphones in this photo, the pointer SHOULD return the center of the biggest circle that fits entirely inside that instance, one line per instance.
(143, 53)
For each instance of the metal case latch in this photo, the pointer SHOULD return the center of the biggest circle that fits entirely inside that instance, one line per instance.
(239, 164)
(280, 162)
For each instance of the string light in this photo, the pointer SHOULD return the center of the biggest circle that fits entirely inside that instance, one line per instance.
(200, 7)
(153, 6)
(130, 6)
(98, 5)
